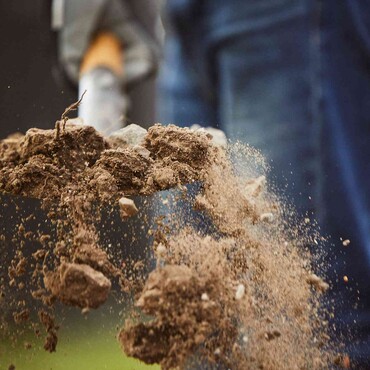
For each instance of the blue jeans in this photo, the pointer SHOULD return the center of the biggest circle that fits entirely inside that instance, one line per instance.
(345, 53)
(245, 67)
(291, 78)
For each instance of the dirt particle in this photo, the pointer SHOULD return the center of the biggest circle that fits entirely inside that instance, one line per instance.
(270, 335)
(51, 339)
(127, 207)
(240, 292)
(317, 283)
(22, 316)
(346, 242)
(346, 362)
(204, 297)
(78, 285)
(267, 217)
(191, 294)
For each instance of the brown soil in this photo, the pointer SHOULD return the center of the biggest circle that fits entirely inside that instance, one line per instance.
(78, 285)
(244, 297)
(48, 321)
(183, 321)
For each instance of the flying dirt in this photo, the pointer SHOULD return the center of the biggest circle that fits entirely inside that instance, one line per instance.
(233, 283)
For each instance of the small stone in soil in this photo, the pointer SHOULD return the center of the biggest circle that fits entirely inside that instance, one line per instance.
(240, 291)
(132, 134)
(317, 283)
(267, 217)
(78, 285)
(127, 207)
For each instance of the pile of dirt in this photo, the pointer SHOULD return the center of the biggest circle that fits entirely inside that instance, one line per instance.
(244, 295)
(79, 160)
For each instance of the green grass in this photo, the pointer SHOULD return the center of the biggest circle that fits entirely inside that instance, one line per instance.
(81, 346)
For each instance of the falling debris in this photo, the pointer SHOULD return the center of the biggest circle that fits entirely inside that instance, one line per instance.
(244, 283)
(267, 217)
(346, 362)
(78, 285)
(346, 242)
(48, 321)
(205, 297)
(240, 291)
(161, 250)
(317, 283)
(22, 316)
(127, 207)
(254, 187)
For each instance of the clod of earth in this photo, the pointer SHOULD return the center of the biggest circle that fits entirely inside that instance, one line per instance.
(182, 320)
(240, 296)
(78, 285)
(317, 283)
(127, 207)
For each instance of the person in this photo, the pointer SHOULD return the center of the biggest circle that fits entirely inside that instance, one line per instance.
(45, 45)
(246, 68)
(104, 49)
(345, 84)
(290, 78)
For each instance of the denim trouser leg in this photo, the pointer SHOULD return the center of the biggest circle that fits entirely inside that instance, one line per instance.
(180, 99)
(257, 62)
(265, 100)
(346, 109)
(253, 79)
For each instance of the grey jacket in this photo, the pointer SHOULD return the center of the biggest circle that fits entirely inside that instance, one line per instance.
(78, 20)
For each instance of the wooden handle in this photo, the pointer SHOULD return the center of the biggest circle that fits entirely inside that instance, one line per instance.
(105, 50)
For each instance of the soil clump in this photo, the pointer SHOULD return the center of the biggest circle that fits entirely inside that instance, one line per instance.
(244, 295)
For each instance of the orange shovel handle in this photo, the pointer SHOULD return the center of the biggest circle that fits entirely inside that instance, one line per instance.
(105, 50)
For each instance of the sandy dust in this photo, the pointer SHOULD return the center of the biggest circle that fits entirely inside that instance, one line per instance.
(243, 295)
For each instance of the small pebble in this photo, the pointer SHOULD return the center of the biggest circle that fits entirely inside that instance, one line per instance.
(127, 207)
(205, 297)
(240, 291)
(85, 310)
(217, 351)
(317, 282)
(142, 151)
(161, 250)
(132, 134)
(267, 217)
(346, 362)
(346, 242)
(272, 335)
(218, 136)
